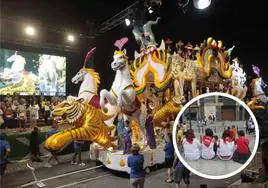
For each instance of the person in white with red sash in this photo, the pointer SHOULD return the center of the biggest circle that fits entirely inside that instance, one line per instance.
(208, 142)
(191, 146)
(226, 146)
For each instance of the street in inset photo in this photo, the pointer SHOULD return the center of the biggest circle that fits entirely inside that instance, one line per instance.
(216, 135)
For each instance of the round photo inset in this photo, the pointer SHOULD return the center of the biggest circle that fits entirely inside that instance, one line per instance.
(215, 135)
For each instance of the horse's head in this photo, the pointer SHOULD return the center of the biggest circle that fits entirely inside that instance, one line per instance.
(79, 77)
(16, 57)
(70, 110)
(120, 60)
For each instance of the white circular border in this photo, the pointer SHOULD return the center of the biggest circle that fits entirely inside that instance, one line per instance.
(256, 140)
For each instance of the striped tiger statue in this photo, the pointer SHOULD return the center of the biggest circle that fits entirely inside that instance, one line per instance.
(88, 125)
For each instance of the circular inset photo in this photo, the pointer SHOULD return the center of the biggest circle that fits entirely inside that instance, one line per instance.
(215, 135)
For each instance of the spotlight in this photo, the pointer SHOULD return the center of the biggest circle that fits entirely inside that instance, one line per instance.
(202, 4)
(127, 22)
(30, 31)
(150, 10)
(70, 38)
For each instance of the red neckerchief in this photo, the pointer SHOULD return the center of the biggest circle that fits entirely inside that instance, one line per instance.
(190, 141)
(227, 139)
(207, 140)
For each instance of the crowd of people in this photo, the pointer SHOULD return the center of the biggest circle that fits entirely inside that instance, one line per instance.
(231, 145)
(23, 112)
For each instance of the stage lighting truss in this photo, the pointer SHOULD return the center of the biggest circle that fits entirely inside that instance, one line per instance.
(118, 18)
(127, 14)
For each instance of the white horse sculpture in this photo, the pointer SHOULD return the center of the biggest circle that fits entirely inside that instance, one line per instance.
(89, 88)
(122, 93)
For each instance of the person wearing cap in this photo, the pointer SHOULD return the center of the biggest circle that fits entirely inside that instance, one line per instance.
(135, 162)
(4, 151)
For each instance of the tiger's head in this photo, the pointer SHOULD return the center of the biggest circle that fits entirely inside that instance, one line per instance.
(70, 110)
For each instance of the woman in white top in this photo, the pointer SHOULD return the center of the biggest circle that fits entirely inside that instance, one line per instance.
(226, 146)
(191, 146)
(34, 114)
(208, 142)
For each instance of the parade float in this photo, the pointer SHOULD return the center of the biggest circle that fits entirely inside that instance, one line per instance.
(157, 82)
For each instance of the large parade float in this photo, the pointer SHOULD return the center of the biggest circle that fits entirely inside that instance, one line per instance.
(157, 82)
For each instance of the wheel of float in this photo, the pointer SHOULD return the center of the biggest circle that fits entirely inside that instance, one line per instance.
(147, 170)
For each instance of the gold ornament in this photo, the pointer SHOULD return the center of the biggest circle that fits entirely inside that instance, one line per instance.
(171, 108)
(122, 163)
(109, 161)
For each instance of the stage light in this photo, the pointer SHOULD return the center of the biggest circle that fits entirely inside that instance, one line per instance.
(127, 22)
(150, 10)
(30, 31)
(71, 38)
(202, 4)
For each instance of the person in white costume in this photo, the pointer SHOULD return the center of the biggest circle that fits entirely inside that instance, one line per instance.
(208, 142)
(191, 146)
(226, 146)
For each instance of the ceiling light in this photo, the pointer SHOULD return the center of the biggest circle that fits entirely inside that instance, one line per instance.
(127, 22)
(30, 31)
(71, 38)
(202, 4)
(150, 10)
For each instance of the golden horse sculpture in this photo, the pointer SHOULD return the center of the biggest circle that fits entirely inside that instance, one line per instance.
(88, 125)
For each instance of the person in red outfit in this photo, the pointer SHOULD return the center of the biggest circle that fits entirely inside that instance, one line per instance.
(242, 152)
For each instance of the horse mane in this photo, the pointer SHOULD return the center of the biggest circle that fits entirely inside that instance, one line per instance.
(95, 75)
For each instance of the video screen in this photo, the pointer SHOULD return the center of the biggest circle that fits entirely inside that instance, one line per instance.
(28, 73)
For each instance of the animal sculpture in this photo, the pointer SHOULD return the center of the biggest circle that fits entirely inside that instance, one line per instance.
(88, 125)
(122, 92)
(88, 90)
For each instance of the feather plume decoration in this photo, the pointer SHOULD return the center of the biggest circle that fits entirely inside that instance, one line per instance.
(120, 43)
(256, 70)
(89, 55)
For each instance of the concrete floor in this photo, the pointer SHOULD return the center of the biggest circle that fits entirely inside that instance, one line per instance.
(101, 178)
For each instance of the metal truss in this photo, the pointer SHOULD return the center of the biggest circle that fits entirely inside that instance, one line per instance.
(118, 18)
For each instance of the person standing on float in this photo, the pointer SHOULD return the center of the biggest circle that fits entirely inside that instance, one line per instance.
(150, 130)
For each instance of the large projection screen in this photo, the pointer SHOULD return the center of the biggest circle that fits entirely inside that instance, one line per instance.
(28, 73)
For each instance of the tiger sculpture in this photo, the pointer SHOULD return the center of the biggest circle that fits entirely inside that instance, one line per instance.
(88, 125)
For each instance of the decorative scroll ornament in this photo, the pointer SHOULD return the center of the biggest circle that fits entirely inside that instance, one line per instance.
(213, 56)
